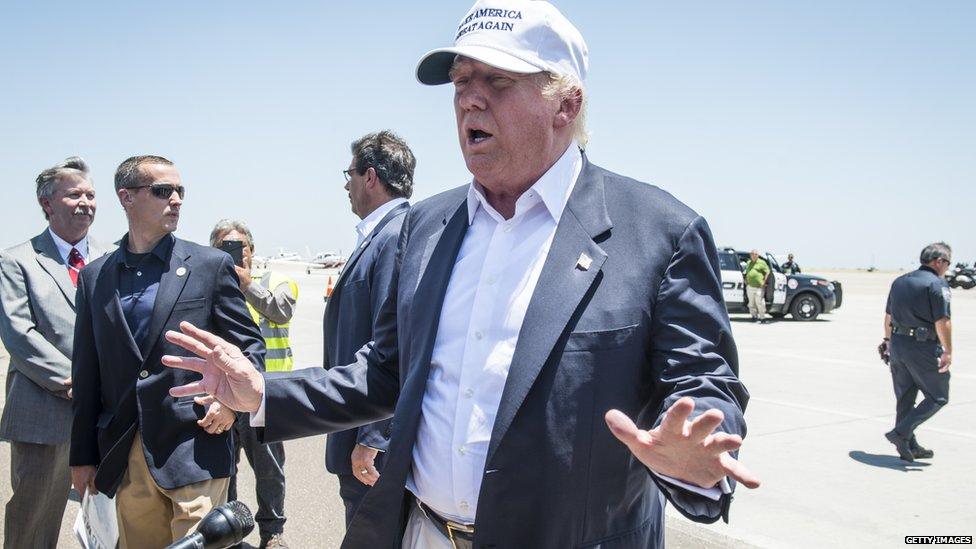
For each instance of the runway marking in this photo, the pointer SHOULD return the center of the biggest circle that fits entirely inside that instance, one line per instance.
(846, 362)
(881, 418)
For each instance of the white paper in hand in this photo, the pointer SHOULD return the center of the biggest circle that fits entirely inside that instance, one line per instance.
(97, 526)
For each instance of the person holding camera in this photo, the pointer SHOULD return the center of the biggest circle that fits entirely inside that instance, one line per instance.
(271, 299)
(918, 346)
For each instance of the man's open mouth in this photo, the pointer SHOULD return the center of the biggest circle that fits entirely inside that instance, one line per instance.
(477, 136)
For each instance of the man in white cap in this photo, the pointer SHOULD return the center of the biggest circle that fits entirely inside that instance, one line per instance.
(537, 310)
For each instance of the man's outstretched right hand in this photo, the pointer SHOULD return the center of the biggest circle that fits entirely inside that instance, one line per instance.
(228, 375)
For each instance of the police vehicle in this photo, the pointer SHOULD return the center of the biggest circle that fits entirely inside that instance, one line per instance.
(803, 296)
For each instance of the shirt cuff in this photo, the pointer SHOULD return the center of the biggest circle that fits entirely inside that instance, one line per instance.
(257, 418)
(714, 493)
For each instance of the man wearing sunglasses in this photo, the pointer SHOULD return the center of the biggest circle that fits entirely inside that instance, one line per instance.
(166, 460)
(918, 342)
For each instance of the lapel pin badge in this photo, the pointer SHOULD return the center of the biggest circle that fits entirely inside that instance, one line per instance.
(181, 271)
(584, 261)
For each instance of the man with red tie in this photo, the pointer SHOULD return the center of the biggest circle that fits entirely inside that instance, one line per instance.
(37, 316)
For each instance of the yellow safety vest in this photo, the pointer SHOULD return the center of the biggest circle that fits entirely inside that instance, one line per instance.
(278, 357)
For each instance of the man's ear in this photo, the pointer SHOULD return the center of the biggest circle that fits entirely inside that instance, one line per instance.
(125, 198)
(372, 179)
(45, 203)
(569, 109)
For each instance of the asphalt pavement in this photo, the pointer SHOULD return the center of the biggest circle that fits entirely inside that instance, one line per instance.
(821, 402)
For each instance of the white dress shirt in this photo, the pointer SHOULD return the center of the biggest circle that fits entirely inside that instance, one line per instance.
(369, 223)
(64, 248)
(494, 276)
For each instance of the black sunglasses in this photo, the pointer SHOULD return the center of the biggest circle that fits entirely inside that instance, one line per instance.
(163, 190)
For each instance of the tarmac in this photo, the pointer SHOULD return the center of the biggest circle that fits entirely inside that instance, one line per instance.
(821, 402)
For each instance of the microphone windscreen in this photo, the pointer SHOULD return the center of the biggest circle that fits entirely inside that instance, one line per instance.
(243, 514)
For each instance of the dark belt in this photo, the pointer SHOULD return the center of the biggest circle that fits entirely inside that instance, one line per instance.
(913, 332)
(451, 530)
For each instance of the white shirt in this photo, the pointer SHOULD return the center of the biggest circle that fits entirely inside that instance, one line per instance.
(366, 226)
(494, 277)
(64, 248)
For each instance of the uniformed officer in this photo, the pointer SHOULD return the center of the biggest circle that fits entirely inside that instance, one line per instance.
(918, 339)
(791, 266)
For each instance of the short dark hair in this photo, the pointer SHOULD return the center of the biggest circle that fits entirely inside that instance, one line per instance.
(390, 156)
(936, 250)
(129, 174)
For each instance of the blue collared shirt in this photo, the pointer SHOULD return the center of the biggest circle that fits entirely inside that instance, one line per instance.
(139, 283)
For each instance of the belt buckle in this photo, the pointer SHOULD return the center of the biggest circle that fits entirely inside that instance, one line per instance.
(457, 527)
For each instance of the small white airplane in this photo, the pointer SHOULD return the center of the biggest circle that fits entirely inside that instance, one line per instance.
(287, 256)
(328, 260)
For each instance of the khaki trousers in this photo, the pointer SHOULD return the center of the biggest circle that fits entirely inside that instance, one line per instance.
(151, 517)
(757, 301)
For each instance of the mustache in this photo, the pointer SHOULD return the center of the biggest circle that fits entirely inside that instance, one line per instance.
(84, 211)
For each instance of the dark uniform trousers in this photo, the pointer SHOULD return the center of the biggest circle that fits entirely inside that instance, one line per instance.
(268, 463)
(914, 368)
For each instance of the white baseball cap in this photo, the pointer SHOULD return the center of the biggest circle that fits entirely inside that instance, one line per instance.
(522, 36)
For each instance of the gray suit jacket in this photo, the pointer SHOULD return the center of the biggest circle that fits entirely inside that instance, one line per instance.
(37, 318)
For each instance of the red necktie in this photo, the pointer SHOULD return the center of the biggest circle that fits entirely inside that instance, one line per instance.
(75, 263)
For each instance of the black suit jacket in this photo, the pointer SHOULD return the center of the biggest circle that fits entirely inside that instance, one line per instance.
(641, 326)
(348, 325)
(119, 387)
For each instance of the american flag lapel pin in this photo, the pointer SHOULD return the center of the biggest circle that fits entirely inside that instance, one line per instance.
(584, 261)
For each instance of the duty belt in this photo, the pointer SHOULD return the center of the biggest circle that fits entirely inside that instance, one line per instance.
(921, 333)
(451, 530)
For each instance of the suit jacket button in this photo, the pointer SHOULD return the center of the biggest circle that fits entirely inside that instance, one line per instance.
(143, 374)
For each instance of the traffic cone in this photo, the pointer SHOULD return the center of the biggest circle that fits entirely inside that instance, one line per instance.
(329, 288)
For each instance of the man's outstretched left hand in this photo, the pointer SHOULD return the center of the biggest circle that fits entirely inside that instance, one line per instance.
(689, 451)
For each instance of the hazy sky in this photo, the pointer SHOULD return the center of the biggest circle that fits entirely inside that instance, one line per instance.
(843, 131)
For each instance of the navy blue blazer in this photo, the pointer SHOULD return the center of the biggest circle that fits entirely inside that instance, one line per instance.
(348, 325)
(644, 325)
(119, 387)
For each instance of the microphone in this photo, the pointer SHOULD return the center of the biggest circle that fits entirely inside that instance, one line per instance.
(224, 526)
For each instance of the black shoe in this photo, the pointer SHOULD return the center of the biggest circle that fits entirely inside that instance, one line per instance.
(901, 444)
(918, 451)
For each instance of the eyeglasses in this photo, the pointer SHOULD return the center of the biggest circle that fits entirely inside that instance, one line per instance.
(348, 174)
(163, 190)
(946, 261)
